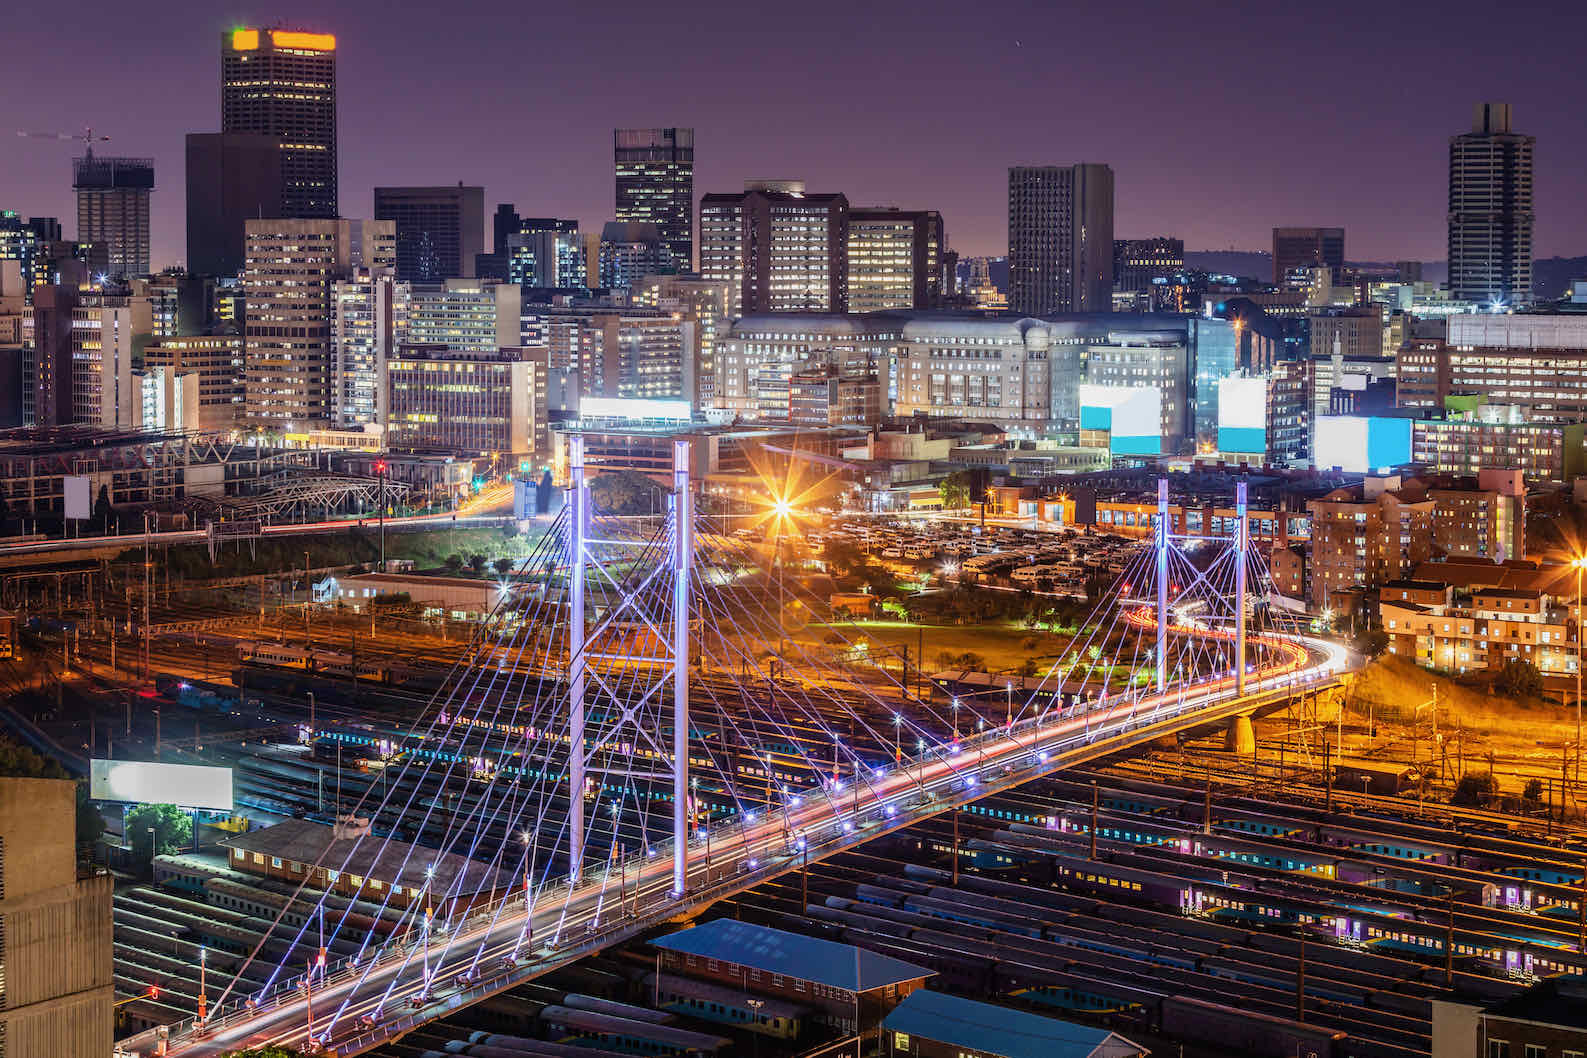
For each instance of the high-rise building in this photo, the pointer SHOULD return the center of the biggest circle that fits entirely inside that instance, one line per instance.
(282, 83)
(548, 253)
(702, 302)
(471, 403)
(1060, 238)
(779, 248)
(503, 223)
(1491, 210)
(464, 314)
(1295, 250)
(231, 176)
(440, 230)
(290, 269)
(113, 208)
(369, 316)
(78, 352)
(895, 259)
(60, 978)
(629, 251)
(655, 185)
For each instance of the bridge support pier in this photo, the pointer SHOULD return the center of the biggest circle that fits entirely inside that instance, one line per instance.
(1240, 738)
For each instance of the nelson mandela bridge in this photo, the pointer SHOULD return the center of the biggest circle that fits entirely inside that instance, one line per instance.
(637, 746)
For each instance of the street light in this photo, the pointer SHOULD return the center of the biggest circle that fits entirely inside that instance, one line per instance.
(1580, 562)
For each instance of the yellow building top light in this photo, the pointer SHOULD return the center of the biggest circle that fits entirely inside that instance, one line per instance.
(283, 38)
(244, 39)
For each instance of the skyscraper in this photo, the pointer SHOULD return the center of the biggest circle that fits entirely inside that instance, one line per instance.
(547, 252)
(288, 345)
(440, 230)
(629, 251)
(280, 82)
(778, 247)
(1060, 238)
(1490, 210)
(113, 208)
(231, 176)
(1297, 249)
(655, 184)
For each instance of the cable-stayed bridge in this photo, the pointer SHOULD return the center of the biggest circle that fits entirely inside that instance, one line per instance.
(640, 735)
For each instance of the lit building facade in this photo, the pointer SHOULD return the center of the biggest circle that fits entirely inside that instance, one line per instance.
(895, 259)
(468, 403)
(779, 248)
(288, 352)
(464, 314)
(1531, 361)
(1139, 265)
(547, 252)
(282, 83)
(440, 230)
(369, 313)
(216, 363)
(1368, 534)
(1297, 251)
(629, 251)
(78, 357)
(654, 171)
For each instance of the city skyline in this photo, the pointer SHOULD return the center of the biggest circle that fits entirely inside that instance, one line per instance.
(1362, 151)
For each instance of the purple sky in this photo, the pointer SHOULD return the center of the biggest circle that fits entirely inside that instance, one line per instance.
(1220, 121)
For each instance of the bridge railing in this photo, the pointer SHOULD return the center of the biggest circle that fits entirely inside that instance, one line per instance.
(741, 869)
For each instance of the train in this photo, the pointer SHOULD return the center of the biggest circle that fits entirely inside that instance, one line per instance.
(323, 662)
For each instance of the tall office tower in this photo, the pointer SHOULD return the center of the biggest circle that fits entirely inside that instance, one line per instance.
(289, 271)
(702, 302)
(113, 208)
(895, 259)
(1296, 250)
(779, 248)
(629, 251)
(231, 176)
(1490, 210)
(466, 314)
(440, 230)
(368, 313)
(282, 83)
(546, 252)
(503, 223)
(1060, 238)
(655, 185)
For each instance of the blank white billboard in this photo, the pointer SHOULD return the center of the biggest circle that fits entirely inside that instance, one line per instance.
(78, 503)
(145, 782)
(1341, 442)
(1242, 403)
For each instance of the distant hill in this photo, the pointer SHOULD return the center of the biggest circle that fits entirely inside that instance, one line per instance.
(1255, 264)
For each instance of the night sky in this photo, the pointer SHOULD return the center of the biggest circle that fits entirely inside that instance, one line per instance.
(1220, 121)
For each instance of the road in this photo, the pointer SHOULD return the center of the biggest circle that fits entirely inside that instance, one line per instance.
(358, 1007)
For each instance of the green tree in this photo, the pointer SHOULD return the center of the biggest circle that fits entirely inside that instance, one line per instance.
(1518, 679)
(274, 1050)
(453, 563)
(476, 562)
(173, 829)
(1372, 641)
(624, 492)
(503, 566)
(955, 489)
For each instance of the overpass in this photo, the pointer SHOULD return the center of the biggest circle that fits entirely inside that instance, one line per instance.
(628, 682)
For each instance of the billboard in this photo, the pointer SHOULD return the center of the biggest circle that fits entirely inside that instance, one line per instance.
(78, 503)
(145, 782)
(634, 408)
(1360, 444)
(1242, 415)
(1132, 415)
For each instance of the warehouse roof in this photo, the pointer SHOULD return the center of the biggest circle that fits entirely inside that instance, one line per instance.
(1002, 1031)
(780, 952)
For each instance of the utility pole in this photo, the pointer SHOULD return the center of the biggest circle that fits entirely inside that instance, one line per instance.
(1300, 982)
(147, 558)
(380, 469)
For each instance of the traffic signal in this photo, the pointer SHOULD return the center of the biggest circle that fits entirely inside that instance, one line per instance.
(154, 991)
(380, 466)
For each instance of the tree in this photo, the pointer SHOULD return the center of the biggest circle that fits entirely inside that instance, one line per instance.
(1475, 789)
(955, 490)
(1518, 679)
(173, 829)
(453, 563)
(503, 566)
(476, 562)
(1372, 641)
(1533, 793)
(620, 492)
(274, 1050)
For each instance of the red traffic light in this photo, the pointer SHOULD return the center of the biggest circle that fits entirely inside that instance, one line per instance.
(154, 992)
(380, 467)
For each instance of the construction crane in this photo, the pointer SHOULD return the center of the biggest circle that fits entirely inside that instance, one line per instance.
(87, 138)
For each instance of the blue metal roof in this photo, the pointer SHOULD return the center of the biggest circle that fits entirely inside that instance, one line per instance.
(780, 952)
(1000, 1030)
